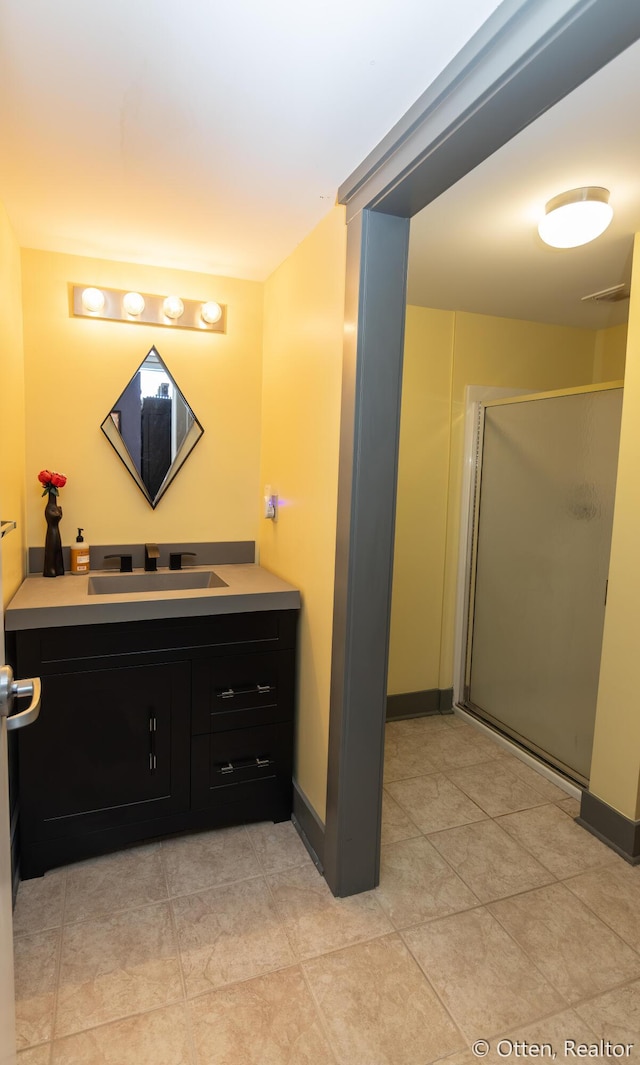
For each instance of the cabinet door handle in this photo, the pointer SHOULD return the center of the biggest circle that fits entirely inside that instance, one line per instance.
(153, 728)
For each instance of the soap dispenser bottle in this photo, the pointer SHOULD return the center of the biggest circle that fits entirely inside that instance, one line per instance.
(80, 555)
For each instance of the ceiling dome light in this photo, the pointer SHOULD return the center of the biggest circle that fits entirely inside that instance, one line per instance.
(93, 300)
(211, 312)
(133, 303)
(173, 307)
(575, 217)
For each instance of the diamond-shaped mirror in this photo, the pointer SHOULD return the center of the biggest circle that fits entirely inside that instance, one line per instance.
(152, 428)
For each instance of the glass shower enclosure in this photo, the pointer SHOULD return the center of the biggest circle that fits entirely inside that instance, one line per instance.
(541, 537)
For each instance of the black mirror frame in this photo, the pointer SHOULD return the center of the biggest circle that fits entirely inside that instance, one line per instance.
(113, 435)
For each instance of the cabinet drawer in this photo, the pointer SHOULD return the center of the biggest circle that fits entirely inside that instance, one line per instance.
(87, 647)
(235, 766)
(242, 691)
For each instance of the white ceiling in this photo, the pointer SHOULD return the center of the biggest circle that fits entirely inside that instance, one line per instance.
(476, 247)
(203, 135)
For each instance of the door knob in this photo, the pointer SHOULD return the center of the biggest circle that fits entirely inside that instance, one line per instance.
(11, 689)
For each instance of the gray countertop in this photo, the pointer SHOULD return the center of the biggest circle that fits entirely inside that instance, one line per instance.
(43, 602)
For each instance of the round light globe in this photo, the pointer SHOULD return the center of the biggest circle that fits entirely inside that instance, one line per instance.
(211, 312)
(93, 300)
(173, 307)
(133, 303)
(575, 218)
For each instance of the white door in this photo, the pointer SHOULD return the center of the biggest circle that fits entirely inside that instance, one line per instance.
(7, 692)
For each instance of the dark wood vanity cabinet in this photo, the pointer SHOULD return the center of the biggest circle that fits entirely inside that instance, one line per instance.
(151, 728)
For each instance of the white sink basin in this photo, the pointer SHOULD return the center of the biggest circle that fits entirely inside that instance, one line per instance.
(182, 580)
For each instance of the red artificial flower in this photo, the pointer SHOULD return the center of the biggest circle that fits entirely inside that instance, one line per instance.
(51, 481)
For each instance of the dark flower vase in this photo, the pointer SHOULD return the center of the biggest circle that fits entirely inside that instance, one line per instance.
(53, 561)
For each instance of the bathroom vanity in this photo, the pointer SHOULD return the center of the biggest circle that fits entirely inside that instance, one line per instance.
(162, 711)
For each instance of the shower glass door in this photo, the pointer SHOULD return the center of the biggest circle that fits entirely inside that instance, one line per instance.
(540, 557)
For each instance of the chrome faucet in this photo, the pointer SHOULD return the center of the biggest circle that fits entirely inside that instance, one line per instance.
(151, 556)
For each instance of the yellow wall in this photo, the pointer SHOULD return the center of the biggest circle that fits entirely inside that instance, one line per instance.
(615, 769)
(12, 416)
(610, 353)
(421, 510)
(303, 337)
(500, 352)
(75, 369)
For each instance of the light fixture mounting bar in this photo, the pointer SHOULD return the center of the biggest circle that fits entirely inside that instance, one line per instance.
(153, 312)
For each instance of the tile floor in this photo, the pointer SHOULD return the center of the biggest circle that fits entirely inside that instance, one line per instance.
(496, 917)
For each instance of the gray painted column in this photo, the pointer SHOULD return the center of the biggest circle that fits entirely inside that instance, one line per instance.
(377, 249)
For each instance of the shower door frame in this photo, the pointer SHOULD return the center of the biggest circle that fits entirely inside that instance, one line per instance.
(467, 563)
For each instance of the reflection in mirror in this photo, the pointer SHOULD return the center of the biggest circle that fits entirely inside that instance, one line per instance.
(152, 427)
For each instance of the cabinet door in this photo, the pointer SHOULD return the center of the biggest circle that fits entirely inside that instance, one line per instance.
(110, 747)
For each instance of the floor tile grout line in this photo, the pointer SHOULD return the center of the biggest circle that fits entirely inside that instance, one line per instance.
(599, 916)
(333, 950)
(58, 976)
(106, 916)
(240, 980)
(497, 1034)
(537, 1020)
(589, 1000)
(425, 920)
(519, 947)
(299, 964)
(606, 851)
(535, 964)
(452, 828)
(484, 817)
(278, 968)
(281, 919)
(37, 931)
(117, 1020)
(183, 983)
(522, 891)
(117, 911)
(485, 906)
(322, 1022)
(533, 806)
(212, 887)
(167, 902)
(435, 991)
(500, 757)
(555, 877)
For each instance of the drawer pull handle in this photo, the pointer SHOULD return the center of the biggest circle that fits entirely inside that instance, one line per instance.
(248, 763)
(261, 689)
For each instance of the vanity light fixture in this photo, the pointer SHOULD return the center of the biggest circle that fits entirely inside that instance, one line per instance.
(576, 217)
(143, 308)
(211, 312)
(93, 300)
(173, 307)
(133, 303)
